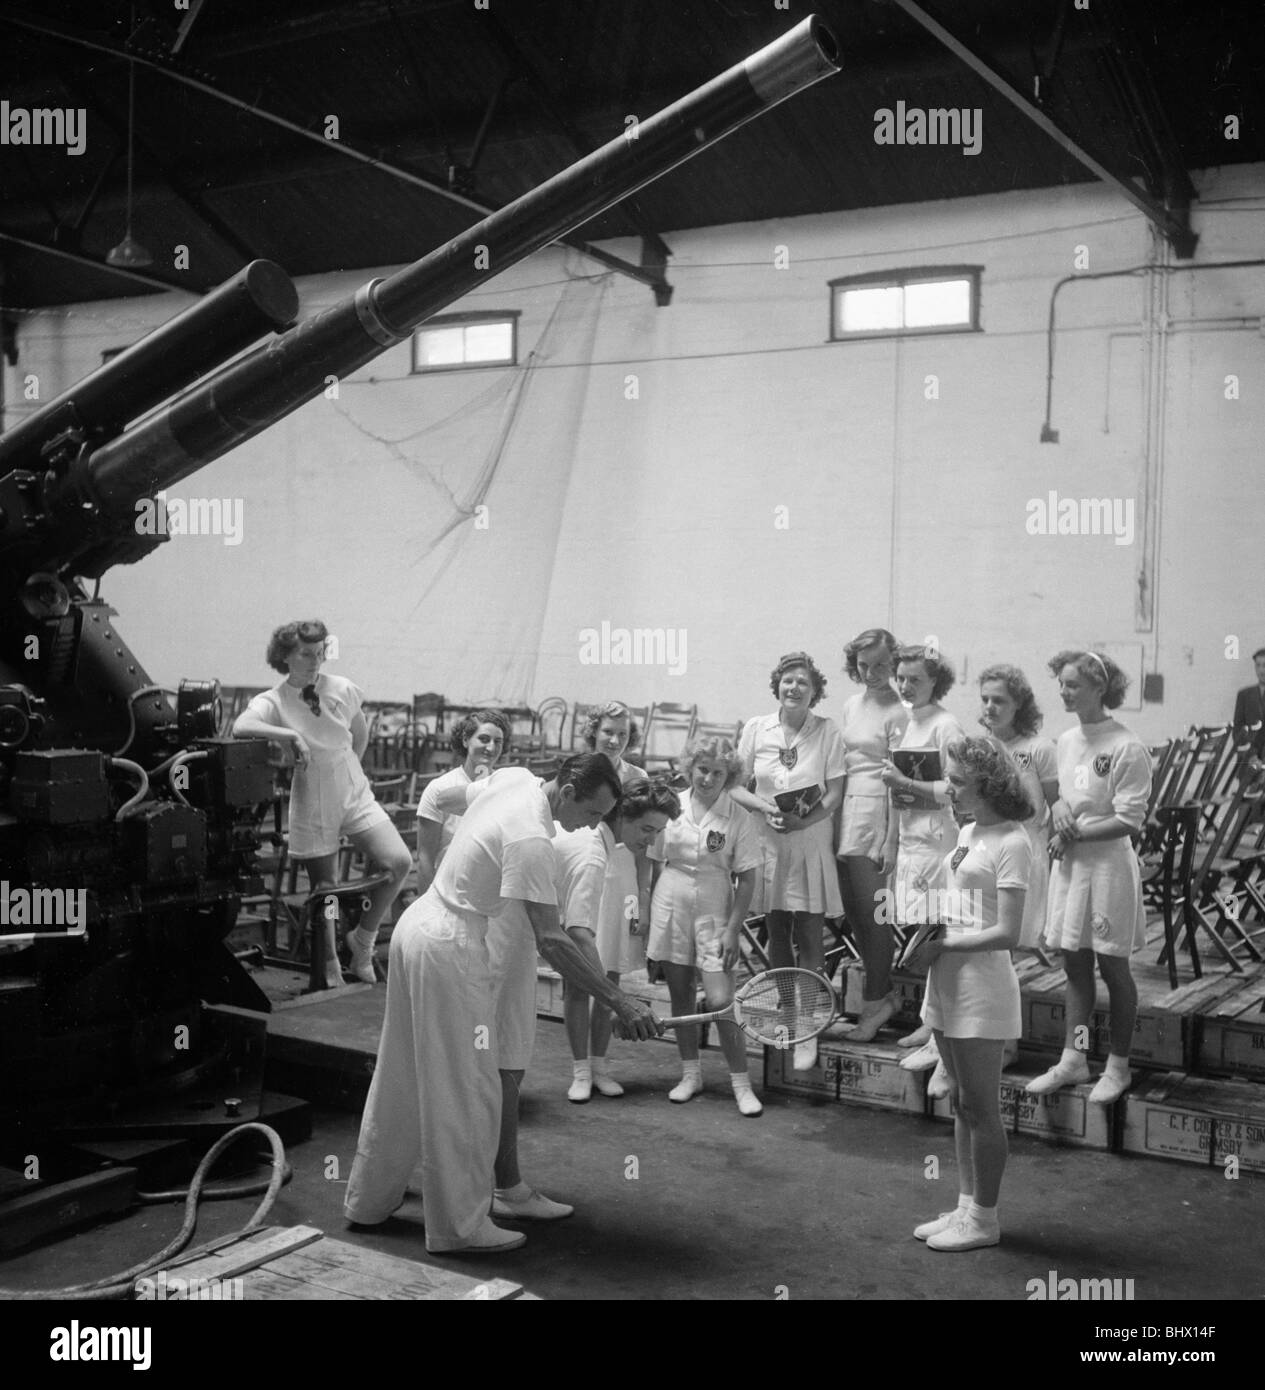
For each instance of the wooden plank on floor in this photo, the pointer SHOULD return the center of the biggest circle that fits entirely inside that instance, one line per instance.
(1243, 1001)
(260, 1247)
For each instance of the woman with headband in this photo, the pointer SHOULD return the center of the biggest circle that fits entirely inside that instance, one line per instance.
(1095, 897)
(322, 717)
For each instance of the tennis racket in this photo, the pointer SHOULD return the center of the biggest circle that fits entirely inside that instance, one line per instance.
(779, 1008)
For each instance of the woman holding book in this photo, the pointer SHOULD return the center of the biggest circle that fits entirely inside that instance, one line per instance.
(874, 723)
(1095, 911)
(914, 774)
(972, 999)
(793, 764)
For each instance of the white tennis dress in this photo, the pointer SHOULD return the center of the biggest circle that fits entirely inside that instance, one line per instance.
(799, 873)
(1096, 888)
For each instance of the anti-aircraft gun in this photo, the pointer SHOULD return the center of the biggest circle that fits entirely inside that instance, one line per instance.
(103, 1007)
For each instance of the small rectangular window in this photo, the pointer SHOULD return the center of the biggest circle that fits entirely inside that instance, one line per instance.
(449, 342)
(941, 299)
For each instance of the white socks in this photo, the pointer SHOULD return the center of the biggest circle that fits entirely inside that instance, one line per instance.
(582, 1085)
(690, 1084)
(743, 1094)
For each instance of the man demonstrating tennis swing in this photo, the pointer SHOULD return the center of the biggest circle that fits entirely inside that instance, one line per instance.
(436, 1092)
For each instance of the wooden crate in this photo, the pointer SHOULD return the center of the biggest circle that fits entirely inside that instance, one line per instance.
(861, 1074)
(301, 1262)
(1062, 1117)
(1195, 1120)
(1232, 1034)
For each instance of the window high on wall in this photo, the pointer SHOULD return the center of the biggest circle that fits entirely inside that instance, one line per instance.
(449, 342)
(931, 299)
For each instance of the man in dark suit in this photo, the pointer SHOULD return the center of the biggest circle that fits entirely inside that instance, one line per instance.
(1249, 714)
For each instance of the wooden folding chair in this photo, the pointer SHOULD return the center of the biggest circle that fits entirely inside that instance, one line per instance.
(668, 729)
(1223, 885)
(551, 726)
(1167, 883)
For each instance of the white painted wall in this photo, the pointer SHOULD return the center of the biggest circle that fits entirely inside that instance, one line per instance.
(651, 503)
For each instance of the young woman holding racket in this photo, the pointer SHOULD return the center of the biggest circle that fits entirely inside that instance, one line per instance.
(321, 716)
(795, 751)
(632, 826)
(972, 999)
(696, 915)
(1096, 910)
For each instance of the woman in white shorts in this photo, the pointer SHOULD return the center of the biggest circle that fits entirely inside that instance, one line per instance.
(618, 929)
(321, 716)
(696, 915)
(972, 1000)
(1096, 911)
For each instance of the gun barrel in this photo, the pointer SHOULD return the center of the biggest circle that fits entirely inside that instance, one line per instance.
(262, 387)
(259, 299)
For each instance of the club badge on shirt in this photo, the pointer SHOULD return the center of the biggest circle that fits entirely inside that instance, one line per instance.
(958, 855)
(715, 841)
(1102, 764)
(788, 757)
(1022, 759)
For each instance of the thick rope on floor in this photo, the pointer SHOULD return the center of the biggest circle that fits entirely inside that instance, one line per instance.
(121, 1286)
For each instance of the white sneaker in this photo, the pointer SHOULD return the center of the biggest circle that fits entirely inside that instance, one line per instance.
(605, 1084)
(580, 1090)
(1060, 1075)
(941, 1223)
(1111, 1086)
(534, 1207)
(938, 1087)
(805, 1056)
(490, 1240)
(748, 1104)
(687, 1088)
(965, 1234)
(917, 1038)
(924, 1059)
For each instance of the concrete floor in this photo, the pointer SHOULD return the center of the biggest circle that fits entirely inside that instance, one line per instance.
(810, 1201)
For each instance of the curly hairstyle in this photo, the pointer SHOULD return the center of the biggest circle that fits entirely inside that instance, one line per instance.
(459, 741)
(717, 749)
(996, 777)
(615, 709)
(871, 637)
(1028, 716)
(286, 639)
(643, 797)
(936, 665)
(785, 663)
(1100, 671)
